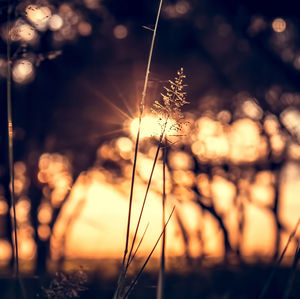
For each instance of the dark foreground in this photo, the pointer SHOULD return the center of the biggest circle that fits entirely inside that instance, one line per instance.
(243, 281)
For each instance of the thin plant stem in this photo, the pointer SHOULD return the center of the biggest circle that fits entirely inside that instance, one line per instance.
(161, 278)
(140, 242)
(149, 59)
(146, 193)
(148, 258)
(141, 111)
(11, 147)
(131, 190)
(268, 283)
(11, 157)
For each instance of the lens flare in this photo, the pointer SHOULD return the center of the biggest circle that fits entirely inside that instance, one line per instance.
(152, 126)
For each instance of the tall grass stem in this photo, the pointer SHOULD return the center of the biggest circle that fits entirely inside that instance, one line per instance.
(122, 275)
(10, 146)
(141, 111)
(161, 277)
(148, 258)
(146, 193)
(11, 156)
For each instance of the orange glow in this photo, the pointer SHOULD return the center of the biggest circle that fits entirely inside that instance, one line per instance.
(224, 116)
(38, 16)
(144, 167)
(151, 126)
(44, 232)
(19, 167)
(3, 206)
(181, 160)
(258, 241)
(177, 10)
(105, 152)
(277, 143)
(279, 25)
(84, 28)
(104, 206)
(294, 151)
(22, 31)
(22, 210)
(120, 32)
(271, 124)
(262, 194)
(27, 249)
(203, 184)
(92, 4)
(182, 7)
(291, 119)
(125, 147)
(55, 170)
(223, 193)
(211, 141)
(5, 252)
(96, 210)
(45, 213)
(189, 213)
(55, 22)
(23, 71)
(289, 194)
(212, 236)
(184, 178)
(246, 143)
(252, 110)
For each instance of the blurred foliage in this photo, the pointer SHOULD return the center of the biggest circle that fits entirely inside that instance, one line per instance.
(76, 71)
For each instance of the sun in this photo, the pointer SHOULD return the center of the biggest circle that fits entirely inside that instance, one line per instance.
(151, 126)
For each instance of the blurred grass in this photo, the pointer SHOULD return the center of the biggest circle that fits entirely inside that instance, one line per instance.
(197, 281)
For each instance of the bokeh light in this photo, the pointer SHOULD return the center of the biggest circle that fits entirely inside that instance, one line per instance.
(38, 16)
(5, 252)
(23, 71)
(55, 171)
(55, 22)
(84, 28)
(279, 25)
(120, 31)
(152, 126)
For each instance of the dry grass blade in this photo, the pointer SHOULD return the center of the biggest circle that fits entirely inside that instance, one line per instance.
(131, 191)
(161, 278)
(137, 248)
(11, 155)
(141, 111)
(268, 283)
(121, 279)
(146, 195)
(10, 146)
(134, 282)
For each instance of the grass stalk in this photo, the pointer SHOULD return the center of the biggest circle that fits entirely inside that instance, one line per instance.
(11, 147)
(141, 112)
(16, 267)
(161, 277)
(134, 282)
(146, 194)
(140, 242)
